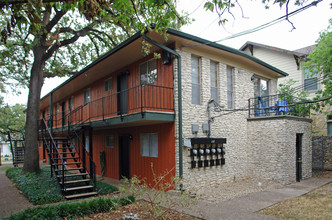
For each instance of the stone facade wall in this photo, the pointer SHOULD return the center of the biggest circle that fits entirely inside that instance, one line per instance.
(322, 152)
(272, 148)
(233, 126)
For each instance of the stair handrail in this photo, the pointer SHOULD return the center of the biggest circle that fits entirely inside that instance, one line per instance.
(92, 172)
(54, 147)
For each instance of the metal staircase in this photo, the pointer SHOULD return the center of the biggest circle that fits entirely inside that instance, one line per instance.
(17, 149)
(68, 163)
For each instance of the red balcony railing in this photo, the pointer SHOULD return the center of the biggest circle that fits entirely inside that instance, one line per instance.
(141, 98)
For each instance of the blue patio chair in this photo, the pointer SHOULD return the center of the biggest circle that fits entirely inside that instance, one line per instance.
(281, 107)
(263, 111)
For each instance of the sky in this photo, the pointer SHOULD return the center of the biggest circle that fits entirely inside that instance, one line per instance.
(308, 24)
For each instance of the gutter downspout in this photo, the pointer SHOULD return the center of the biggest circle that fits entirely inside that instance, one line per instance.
(179, 100)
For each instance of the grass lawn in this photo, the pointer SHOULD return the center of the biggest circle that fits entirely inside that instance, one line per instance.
(5, 168)
(316, 204)
(41, 188)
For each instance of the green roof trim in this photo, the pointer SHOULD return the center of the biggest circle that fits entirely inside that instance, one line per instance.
(225, 48)
(175, 33)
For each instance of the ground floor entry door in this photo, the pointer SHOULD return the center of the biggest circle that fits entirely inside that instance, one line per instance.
(124, 156)
(299, 157)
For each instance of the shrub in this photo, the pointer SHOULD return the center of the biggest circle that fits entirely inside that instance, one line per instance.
(41, 188)
(72, 210)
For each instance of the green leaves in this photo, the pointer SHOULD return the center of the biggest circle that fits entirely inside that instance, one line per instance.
(12, 118)
(320, 62)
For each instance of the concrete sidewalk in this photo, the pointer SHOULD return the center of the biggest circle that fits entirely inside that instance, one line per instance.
(245, 206)
(11, 200)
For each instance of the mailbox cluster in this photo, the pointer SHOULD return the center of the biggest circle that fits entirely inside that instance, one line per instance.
(207, 152)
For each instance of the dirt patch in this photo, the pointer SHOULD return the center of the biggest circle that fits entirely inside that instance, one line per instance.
(140, 209)
(322, 174)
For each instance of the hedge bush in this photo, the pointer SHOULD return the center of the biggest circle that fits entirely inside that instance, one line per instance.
(73, 210)
(40, 188)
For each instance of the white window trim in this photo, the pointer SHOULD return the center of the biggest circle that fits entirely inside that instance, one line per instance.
(217, 79)
(199, 77)
(85, 97)
(151, 152)
(147, 71)
(231, 91)
(109, 85)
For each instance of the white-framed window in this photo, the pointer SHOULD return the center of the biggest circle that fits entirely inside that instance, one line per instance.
(108, 84)
(195, 80)
(87, 142)
(148, 72)
(261, 87)
(109, 141)
(214, 76)
(230, 86)
(149, 145)
(329, 125)
(310, 80)
(86, 98)
(71, 103)
(56, 109)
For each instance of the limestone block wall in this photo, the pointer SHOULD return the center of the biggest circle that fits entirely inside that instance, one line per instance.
(232, 126)
(272, 147)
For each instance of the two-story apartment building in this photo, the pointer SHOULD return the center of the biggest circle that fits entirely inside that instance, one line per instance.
(186, 113)
(292, 62)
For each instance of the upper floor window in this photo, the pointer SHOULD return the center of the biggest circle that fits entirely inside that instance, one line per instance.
(71, 103)
(230, 86)
(195, 80)
(261, 87)
(214, 80)
(56, 108)
(108, 84)
(86, 97)
(310, 80)
(148, 72)
(149, 145)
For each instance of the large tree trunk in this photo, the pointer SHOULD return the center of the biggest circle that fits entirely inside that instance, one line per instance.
(31, 155)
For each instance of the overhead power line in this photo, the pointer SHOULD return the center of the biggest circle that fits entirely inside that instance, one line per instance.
(285, 17)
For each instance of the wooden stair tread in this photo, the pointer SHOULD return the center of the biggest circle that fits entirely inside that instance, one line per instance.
(78, 188)
(75, 181)
(68, 158)
(75, 174)
(60, 164)
(81, 195)
(69, 169)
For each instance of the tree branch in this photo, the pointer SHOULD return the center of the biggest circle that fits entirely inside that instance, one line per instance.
(16, 2)
(94, 43)
(57, 73)
(287, 18)
(81, 33)
(55, 20)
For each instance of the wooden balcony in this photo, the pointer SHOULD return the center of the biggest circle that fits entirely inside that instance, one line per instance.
(143, 104)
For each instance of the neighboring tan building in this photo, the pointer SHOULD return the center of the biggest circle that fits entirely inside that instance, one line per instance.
(126, 112)
(291, 62)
